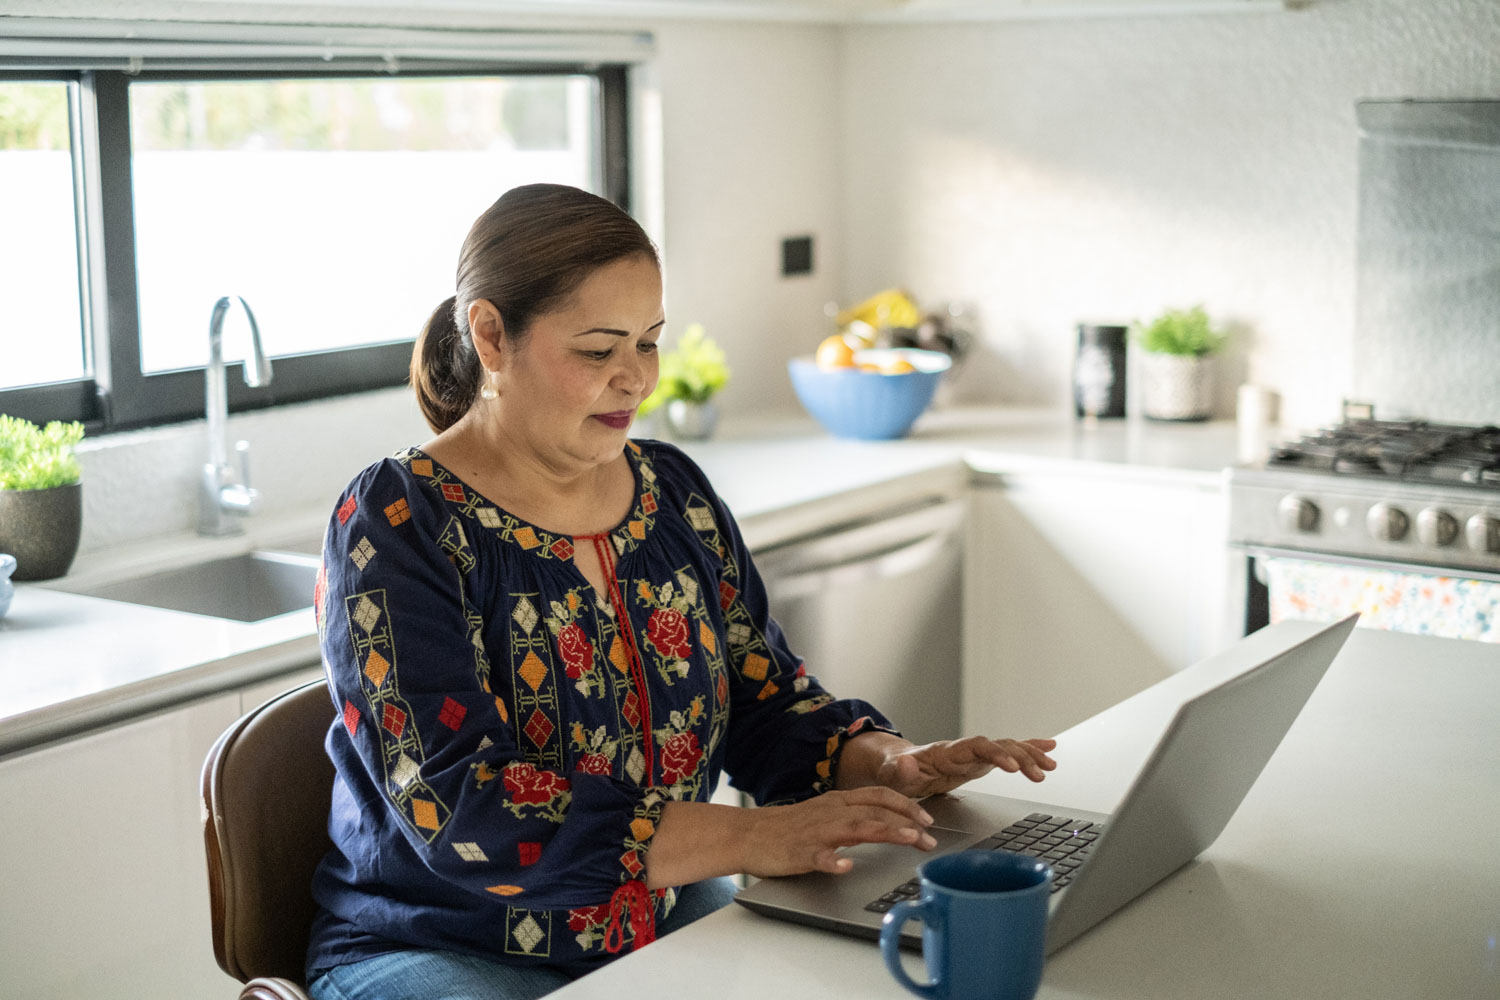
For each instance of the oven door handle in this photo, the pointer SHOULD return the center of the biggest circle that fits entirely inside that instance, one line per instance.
(1390, 565)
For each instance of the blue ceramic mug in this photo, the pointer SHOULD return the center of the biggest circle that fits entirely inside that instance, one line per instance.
(984, 926)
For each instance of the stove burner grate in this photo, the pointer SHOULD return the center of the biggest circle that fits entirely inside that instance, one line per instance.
(1410, 451)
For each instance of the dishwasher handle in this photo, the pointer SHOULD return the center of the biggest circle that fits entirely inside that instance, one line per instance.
(879, 548)
(893, 562)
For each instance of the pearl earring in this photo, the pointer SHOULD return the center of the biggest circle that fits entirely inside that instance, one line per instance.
(487, 391)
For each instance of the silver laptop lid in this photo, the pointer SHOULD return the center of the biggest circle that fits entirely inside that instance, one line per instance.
(1216, 745)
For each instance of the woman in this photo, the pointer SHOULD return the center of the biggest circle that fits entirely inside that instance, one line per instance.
(546, 642)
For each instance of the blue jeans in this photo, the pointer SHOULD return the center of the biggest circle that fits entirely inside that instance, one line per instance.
(422, 974)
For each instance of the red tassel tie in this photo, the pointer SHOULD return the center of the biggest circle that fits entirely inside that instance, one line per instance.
(608, 564)
(630, 904)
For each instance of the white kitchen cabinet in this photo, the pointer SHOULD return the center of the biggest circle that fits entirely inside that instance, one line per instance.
(106, 889)
(106, 885)
(1083, 588)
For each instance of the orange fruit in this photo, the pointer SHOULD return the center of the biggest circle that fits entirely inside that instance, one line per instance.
(869, 366)
(834, 352)
(898, 366)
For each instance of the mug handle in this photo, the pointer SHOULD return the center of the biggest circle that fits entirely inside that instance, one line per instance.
(890, 944)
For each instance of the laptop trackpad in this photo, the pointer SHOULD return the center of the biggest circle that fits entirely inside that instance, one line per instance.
(879, 868)
(840, 901)
(890, 856)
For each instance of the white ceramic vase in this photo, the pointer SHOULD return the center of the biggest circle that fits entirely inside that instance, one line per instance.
(692, 421)
(1176, 386)
(7, 589)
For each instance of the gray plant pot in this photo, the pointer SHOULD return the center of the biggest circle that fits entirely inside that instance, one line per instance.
(41, 529)
(1177, 386)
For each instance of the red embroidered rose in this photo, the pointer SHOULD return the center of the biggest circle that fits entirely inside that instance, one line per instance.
(593, 763)
(679, 757)
(585, 917)
(668, 631)
(320, 592)
(528, 785)
(574, 647)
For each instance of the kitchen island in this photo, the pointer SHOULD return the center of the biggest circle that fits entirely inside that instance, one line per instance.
(1363, 864)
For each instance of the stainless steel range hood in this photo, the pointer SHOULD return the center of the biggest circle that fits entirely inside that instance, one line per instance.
(1427, 319)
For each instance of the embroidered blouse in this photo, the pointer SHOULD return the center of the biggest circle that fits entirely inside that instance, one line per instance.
(507, 737)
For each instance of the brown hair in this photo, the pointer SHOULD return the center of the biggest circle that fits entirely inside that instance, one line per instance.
(525, 254)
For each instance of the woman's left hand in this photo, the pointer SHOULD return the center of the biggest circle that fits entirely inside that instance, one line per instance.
(917, 771)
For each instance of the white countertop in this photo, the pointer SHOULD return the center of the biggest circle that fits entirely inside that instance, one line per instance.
(70, 662)
(1363, 864)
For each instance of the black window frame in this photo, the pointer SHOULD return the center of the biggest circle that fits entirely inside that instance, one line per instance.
(119, 396)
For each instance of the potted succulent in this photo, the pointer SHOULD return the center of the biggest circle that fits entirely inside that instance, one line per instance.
(1177, 364)
(41, 499)
(691, 374)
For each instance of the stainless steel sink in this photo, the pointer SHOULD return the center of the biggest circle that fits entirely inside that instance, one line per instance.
(245, 588)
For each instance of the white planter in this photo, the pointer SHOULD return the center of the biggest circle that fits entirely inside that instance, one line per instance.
(1176, 386)
(692, 421)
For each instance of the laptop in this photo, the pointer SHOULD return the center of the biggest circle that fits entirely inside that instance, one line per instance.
(1194, 779)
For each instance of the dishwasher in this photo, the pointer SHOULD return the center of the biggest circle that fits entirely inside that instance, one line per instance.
(875, 609)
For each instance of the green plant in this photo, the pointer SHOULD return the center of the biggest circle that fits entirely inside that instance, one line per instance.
(692, 371)
(1181, 331)
(37, 458)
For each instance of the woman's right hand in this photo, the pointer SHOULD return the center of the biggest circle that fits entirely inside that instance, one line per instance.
(805, 837)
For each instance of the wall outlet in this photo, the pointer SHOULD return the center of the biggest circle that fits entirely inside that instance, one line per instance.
(796, 256)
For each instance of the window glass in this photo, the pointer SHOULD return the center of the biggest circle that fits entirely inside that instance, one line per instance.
(41, 326)
(334, 207)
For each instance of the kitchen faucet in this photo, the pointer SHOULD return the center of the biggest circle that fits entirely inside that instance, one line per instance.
(219, 492)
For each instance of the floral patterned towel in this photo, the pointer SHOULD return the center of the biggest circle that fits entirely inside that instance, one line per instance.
(1445, 606)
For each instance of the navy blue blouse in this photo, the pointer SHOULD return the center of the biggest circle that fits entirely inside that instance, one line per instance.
(506, 737)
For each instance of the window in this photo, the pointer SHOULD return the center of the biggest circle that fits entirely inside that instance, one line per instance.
(39, 267)
(334, 207)
(333, 200)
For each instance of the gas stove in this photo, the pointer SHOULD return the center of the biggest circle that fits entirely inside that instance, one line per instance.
(1398, 491)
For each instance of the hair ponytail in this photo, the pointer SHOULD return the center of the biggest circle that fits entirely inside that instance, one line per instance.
(444, 368)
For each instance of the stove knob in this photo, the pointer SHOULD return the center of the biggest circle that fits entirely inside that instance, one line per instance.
(1296, 513)
(1436, 527)
(1387, 523)
(1483, 533)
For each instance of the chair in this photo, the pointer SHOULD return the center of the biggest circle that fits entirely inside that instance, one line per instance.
(266, 787)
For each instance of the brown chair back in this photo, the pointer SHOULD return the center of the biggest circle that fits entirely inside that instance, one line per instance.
(266, 788)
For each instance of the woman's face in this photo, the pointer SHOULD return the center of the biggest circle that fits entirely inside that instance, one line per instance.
(571, 388)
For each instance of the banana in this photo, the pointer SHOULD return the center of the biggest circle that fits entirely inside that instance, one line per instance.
(887, 309)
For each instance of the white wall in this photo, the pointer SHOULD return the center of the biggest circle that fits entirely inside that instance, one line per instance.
(751, 127)
(1058, 171)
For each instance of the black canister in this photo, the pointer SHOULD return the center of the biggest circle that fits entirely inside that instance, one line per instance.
(1099, 371)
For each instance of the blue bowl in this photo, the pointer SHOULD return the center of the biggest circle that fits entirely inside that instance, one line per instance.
(869, 405)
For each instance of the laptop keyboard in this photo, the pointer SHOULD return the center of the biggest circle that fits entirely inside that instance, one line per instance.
(1063, 843)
